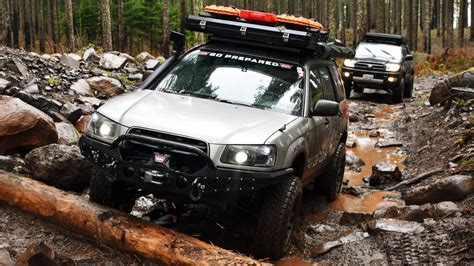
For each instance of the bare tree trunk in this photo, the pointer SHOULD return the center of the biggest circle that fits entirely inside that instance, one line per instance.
(106, 25)
(472, 22)
(41, 28)
(427, 27)
(166, 29)
(71, 41)
(380, 17)
(343, 18)
(354, 10)
(449, 23)
(332, 24)
(444, 16)
(15, 24)
(120, 26)
(182, 11)
(415, 18)
(461, 20)
(437, 17)
(198, 7)
(398, 17)
(361, 19)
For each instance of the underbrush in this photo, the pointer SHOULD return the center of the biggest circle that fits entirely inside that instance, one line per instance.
(441, 62)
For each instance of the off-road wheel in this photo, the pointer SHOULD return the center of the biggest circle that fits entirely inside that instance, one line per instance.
(347, 88)
(277, 219)
(397, 94)
(331, 181)
(409, 88)
(110, 193)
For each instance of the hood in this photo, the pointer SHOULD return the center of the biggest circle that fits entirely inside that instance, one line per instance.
(379, 60)
(203, 119)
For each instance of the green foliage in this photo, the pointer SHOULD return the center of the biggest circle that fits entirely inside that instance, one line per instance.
(54, 81)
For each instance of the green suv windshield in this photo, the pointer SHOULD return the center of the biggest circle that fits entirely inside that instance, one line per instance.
(238, 79)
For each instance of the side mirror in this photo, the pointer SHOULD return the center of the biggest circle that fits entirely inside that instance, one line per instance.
(178, 40)
(409, 57)
(326, 108)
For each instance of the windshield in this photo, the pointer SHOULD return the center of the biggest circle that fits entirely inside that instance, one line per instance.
(236, 79)
(379, 50)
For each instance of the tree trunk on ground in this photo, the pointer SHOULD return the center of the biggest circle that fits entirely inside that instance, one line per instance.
(120, 26)
(71, 41)
(427, 27)
(106, 25)
(110, 227)
(166, 29)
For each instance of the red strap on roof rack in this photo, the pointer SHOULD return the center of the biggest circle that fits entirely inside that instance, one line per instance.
(258, 16)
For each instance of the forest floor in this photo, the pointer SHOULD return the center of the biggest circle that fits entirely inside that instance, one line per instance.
(423, 138)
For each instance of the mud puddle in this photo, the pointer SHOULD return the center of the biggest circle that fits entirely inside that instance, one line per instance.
(365, 149)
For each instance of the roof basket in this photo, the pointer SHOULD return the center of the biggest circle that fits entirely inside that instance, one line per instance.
(266, 28)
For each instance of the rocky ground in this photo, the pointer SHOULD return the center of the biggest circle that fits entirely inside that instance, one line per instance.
(379, 217)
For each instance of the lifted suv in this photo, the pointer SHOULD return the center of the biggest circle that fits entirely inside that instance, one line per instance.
(228, 123)
(383, 62)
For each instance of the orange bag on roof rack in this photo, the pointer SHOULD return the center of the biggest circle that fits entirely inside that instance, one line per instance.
(299, 21)
(222, 10)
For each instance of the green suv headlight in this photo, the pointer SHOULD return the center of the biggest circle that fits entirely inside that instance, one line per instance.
(250, 155)
(392, 67)
(102, 128)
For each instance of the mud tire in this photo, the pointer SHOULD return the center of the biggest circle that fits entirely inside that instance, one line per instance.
(277, 219)
(110, 193)
(397, 94)
(409, 88)
(331, 181)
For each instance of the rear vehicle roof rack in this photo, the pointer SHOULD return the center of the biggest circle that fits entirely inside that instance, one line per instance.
(279, 31)
(374, 37)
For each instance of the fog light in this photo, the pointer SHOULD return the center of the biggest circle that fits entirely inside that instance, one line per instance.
(347, 74)
(391, 79)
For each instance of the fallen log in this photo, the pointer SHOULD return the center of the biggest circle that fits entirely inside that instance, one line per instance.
(416, 179)
(111, 227)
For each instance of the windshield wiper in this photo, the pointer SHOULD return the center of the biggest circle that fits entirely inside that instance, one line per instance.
(233, 102)
(196, 94)
(387, 53)
(370, 51)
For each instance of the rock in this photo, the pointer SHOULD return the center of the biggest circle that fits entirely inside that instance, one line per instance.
(384, 172)
(151, 64)
(90, 100)
(353, 118)
(81, 124)
(451, 188)
(4, 84)
(105, 85)
(90, 55)
(354, 162)
(32, 88)
(60, 165)
(388, 143)
(23, 127)
(71, 60)
(47, 105)
(136, 77)
(38, 253)
(442, 210)
(143, 56)
(146, 74)
(17, 66)
(414, 213)
(128, 57)
(325, 247)
(5, 259)
(393, 225)
(67, 133)
(72, 112)
(374, 134)
(112, 62)
(13, 164)
(354, 218)
(81, 87)
(96, 72)
(351, 144)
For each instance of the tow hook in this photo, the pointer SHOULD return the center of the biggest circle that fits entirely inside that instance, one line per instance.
(196, 190)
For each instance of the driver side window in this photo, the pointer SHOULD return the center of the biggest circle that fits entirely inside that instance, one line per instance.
(321, 85)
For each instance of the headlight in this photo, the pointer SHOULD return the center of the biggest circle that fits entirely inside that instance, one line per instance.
(349, 63)
(258, 155)
(102, 128)
(392, 67)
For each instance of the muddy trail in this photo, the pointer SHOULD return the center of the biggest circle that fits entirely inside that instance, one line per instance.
(385, 137)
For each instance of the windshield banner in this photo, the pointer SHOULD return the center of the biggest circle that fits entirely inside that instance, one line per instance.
(246, 59)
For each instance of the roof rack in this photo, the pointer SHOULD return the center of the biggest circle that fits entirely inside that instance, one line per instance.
(374, 37)
(266, 28)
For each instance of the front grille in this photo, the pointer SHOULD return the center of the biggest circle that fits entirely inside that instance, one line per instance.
(158, 135)
(181, 161)
(370, 66)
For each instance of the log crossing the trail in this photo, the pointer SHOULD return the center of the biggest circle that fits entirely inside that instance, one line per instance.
(111, 227)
